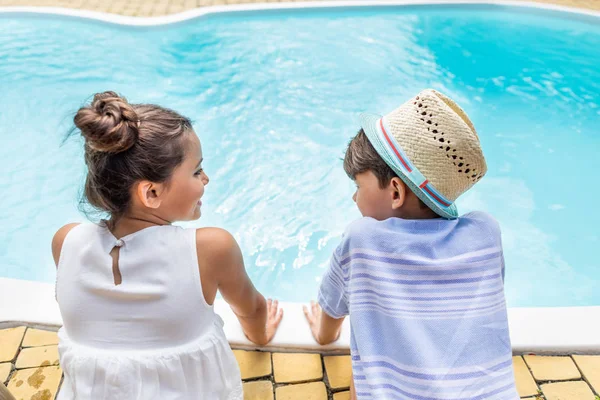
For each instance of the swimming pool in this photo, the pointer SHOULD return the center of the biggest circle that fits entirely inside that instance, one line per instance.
(275, 96)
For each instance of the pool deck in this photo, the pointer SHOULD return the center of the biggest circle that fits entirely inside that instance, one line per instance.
(156, 8)
(557, 351)
(30, 369)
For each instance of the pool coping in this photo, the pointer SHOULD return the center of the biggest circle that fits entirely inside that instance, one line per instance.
(232, 8)
(540, 330)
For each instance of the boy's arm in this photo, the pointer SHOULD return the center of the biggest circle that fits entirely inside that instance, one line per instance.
(325, 329)
(326, 317)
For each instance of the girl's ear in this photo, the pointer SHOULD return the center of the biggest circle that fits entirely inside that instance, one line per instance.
(398, 192)
(149, 194)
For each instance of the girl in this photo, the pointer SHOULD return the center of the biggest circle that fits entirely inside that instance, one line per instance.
(136, 292)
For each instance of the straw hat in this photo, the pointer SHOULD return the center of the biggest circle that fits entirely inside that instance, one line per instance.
(432, 145)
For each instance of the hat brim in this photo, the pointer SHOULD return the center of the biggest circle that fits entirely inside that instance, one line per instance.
(369, 124)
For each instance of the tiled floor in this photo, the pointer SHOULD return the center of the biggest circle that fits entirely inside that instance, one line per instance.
(145, 8)
(29, 367)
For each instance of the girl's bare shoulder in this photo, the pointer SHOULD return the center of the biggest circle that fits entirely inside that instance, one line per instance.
(59, 239)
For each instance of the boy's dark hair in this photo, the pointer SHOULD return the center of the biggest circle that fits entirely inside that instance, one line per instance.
(361, 157)
(126, 143)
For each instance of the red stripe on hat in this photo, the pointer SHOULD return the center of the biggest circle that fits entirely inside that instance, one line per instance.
(436, 197)
(424, 184)
(393, 147)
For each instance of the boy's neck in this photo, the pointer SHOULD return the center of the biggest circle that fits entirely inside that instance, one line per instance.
(417, 214)
(414, 209)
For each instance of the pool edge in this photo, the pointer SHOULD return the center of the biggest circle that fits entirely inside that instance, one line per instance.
(207, 10)
(553, 330)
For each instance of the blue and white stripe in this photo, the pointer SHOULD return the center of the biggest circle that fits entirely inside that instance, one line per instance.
(427, 308)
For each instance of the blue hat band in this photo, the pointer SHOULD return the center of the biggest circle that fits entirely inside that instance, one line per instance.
(397, 156)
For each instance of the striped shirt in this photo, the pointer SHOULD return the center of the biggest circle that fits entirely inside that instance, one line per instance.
(427, 308)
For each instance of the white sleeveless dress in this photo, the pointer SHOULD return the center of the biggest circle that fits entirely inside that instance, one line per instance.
(151, 337)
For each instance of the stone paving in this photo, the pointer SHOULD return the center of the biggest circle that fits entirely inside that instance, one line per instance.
(154, 8)
(29, 368)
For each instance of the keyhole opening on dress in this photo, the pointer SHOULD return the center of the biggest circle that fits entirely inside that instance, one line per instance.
(114, 253)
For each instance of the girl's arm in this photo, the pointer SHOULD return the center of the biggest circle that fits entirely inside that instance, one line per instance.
(325, 329)
(59, 239)
(220, 258)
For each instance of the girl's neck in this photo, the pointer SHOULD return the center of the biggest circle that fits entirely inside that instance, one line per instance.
(131, 223)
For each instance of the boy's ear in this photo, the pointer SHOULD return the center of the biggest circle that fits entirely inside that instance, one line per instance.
(149, 193)
(398, 192)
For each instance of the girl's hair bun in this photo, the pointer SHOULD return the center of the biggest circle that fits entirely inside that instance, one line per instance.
(109, 124)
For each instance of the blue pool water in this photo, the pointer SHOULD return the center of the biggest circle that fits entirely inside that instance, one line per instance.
(275, 97)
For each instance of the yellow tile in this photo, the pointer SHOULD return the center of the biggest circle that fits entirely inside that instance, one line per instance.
(39, 337)
(175, 8)
(526, 386)
(37, 357)
(5, 369)
(158, 11)
(10, 340)
(341, 396)
(258, 390)
(590, 368)
(35, 383)
(305, 391)
(160, 8)
(116, 8)
(577, 390)
(253, 364)
(130, 12)
(548, 368)
(339, 371)
(297, 367)
(101, 7)
(145, 10)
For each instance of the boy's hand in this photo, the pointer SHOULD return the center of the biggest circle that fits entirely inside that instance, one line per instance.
(313, 316)
(324, 328)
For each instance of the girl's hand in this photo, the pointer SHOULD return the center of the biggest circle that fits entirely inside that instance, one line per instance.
(274, 316)
(222, 265)
(260, 327)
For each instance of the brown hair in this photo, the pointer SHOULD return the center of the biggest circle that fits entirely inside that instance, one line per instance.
(361, 157)
(126, 143)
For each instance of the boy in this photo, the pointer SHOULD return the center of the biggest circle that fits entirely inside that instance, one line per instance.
(424, 288)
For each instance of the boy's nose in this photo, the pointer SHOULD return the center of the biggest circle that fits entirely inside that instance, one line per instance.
(206, 179)
(354, 197)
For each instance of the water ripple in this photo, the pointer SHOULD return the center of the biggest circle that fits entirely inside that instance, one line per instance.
(275, 99)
